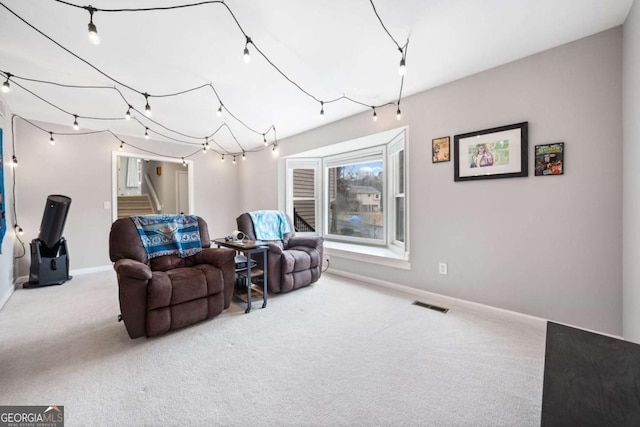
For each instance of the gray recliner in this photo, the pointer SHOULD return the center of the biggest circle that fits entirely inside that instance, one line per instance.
(293, 262)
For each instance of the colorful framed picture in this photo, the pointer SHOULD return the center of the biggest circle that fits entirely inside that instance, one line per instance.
(440, 151)
(491, 153)
(549, 159)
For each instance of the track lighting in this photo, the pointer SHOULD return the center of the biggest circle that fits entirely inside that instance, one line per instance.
(246, 56)
(93, 30)
(403, 68)
(127, 115)
(14, 161)
(234, 159)
(184, 163)
(19, 231)
(6, 87)
(51, 140)
(244, 156)
(321, 110)
(375, 115)
(121, 146)
(76, 126)
(398, 114)
(147, 108)
(220, 110)
(146, 133)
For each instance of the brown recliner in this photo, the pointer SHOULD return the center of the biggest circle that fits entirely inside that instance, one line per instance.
(168, 292)
(293, 262)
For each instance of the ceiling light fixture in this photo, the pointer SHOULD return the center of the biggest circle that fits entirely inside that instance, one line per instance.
(234, 159)
(146, 133)
(121, 145)
(245, 55)
(147, 108)
(6, 87)
(222, 158)
(76, 126)
(93, 30)
(321, 110)
(184, 163)
(127, 115)
(51, 140)
(375, 115)
(398, 114)
(244, 156)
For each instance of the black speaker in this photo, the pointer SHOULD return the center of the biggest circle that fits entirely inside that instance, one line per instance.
(49, 253)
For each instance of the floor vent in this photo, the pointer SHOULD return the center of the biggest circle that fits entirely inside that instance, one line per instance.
(430, 307)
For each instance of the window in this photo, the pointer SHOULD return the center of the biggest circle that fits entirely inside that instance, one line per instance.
(354, 206)
(352, 192)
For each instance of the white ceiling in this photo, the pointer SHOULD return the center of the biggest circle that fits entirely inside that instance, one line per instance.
(330, 48)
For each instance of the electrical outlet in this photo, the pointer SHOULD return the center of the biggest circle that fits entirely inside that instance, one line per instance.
(442, 268)
(326, 259)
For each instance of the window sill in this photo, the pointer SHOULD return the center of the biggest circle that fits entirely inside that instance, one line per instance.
(370, 254)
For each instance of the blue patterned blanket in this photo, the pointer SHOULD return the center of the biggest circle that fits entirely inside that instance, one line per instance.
(169, 234)
(269, 225)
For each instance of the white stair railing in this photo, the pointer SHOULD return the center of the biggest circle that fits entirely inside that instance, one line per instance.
(154, 195)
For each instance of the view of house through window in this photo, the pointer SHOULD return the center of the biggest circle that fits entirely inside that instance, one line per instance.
(304, 202)
(355, 200)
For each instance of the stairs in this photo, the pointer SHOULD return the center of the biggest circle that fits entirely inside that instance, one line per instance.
(134, 205)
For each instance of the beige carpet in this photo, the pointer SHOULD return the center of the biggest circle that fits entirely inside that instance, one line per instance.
(339, 353)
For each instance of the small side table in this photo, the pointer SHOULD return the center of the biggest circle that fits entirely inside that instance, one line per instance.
(249, 248)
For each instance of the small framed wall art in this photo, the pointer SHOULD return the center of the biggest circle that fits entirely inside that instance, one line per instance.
(491, 153)
(440, 151)
(550, 159)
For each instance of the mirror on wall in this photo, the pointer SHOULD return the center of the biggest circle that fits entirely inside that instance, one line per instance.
(144, 185)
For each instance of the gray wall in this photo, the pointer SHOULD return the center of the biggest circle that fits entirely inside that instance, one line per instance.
(6, 258)
(80, 167)
(546, 246)
(631, 185)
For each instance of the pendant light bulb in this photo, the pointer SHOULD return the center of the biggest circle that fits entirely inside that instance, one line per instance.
(264, 139)
(274, 147)
(93, 30)
(146, 133)
(14, 161)
(121, 146)
(403, 67)
(222, 158)
(19, 231)
(184, 163)
(220, 110)
(206, 145)
(127, 115)
(245, 55)
(147, 108)
(234, 159)
(375, 115)
(51, 140)
(244, 156)
(6, 87)
(321, 110)
(398, 114)
(76, 126)
(204, 149)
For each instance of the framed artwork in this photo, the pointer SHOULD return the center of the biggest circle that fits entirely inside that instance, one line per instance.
(549, 159)
(440, 150)
(491, 153)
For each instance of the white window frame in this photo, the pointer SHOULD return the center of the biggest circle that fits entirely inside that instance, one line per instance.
(372, 154)
(314, 164)
(395, 147)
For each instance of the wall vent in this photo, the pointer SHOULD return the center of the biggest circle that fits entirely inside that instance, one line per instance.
(430, 306)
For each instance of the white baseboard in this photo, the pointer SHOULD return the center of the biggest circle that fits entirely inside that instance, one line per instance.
(6, 296)
(78, 272)
(440, 300)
